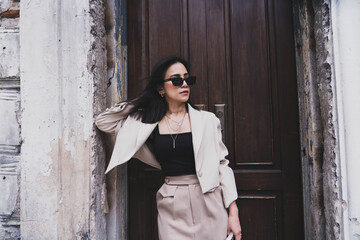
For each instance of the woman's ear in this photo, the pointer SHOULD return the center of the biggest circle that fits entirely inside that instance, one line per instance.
(161, 91)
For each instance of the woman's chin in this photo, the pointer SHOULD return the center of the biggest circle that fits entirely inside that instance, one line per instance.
(183, 99)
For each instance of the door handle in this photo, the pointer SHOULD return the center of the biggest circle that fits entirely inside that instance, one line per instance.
(220, 113)
(200, 106)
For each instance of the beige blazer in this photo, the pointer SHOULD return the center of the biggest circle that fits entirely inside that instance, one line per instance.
(211, 166)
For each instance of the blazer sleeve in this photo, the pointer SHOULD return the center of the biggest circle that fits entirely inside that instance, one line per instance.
(227, 179)
(108, 121)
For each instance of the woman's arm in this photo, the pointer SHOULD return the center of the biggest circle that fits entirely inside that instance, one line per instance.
(233, 221)
(107, 121)
(227, 182)
(226, 174)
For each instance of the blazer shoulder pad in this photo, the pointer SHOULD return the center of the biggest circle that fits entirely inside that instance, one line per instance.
(206, 115)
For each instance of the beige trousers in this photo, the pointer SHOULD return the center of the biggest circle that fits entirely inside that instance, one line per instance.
(185, 213)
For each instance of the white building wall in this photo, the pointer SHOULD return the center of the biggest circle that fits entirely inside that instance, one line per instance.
(346, 35)
(60, 178)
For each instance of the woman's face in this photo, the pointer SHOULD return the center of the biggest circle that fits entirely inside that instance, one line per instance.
(175, 94)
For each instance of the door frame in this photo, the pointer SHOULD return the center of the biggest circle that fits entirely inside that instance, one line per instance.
(312, 139)
(321, 164)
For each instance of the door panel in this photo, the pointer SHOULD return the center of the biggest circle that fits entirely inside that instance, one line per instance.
(252, 87)
(197, 50)
(261, 211)
(242, 53)
(164, 29)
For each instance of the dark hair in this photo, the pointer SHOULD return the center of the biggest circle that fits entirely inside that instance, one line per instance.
(149, 106)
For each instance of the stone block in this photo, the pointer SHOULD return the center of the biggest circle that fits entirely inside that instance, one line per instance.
(9, 198)
(9, 54)
(9, 108)
(9, 192)
(9, 23)
(10, 233)
(5, 5)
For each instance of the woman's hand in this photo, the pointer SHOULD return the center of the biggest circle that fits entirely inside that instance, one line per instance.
(233, 221)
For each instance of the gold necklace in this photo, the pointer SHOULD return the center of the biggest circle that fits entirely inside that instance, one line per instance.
(177, 123)
(168, 125)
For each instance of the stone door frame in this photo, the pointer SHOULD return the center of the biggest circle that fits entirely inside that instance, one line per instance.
(313, 41)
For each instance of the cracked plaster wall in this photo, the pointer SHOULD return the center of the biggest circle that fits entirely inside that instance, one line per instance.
(63, 69)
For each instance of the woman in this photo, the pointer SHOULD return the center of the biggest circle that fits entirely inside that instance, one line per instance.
(162, 129)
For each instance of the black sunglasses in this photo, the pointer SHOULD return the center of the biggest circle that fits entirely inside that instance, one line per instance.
(178, 81)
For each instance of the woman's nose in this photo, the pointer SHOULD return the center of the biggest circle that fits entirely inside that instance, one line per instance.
(184, 84)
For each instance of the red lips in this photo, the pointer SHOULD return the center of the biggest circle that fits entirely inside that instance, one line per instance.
(184, 92)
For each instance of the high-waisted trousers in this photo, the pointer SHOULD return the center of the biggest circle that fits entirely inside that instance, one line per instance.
(185, 213)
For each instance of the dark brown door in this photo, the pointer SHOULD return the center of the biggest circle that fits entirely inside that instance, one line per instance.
(242, 52)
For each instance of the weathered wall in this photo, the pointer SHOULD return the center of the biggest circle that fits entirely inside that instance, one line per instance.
(325, 77)
(327, 61)
(116, 90)
(310, 121)
(10, 140)
(63, 64)
(345, 17)
(96, 66)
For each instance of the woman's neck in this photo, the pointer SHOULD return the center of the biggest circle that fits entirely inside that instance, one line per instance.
(176, 107)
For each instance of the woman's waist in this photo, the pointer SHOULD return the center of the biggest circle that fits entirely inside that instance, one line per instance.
(188, 179)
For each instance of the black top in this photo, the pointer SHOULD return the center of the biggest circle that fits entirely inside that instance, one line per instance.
(174, 161)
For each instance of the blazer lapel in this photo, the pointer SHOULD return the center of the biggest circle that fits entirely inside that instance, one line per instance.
(197, 129)
(145, 129)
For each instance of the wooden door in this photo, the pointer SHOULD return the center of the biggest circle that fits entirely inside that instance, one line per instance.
(242, 52)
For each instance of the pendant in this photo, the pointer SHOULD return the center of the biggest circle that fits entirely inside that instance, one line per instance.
(173, 143)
